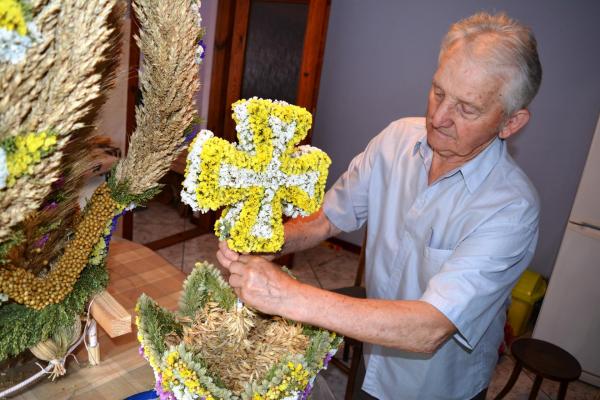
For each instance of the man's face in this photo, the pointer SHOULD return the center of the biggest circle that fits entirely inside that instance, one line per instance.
(464, 110)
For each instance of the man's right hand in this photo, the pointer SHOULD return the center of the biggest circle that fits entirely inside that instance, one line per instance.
(225, 255)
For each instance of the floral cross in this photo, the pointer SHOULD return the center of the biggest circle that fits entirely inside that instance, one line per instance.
(259, 178)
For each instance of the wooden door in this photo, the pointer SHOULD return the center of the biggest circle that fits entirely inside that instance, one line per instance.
(266, 48)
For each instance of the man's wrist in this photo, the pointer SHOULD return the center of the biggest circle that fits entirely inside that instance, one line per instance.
(293, 305)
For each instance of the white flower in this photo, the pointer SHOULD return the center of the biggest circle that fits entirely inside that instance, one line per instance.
(3, 168)
(13, 46)
(188, 193)
(198, 54)
(196, 8)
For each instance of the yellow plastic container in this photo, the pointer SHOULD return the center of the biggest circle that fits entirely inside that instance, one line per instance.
(530, 288)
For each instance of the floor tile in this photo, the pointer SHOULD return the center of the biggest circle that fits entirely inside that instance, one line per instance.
(173, 254)
(157, 221)
(334, 269)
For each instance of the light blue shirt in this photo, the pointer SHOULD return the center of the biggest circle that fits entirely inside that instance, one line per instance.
(459, 244)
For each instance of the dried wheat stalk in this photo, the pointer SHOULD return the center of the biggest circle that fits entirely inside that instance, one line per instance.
(27, 193)
(169, 81)
(239, 346)
(53, 88)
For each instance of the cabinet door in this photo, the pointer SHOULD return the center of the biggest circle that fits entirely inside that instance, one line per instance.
(570, 314)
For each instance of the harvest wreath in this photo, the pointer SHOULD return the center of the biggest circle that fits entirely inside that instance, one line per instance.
(55, 61)
(211, 349)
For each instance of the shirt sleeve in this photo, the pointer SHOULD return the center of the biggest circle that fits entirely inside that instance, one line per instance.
(475, 282)
(346, 203)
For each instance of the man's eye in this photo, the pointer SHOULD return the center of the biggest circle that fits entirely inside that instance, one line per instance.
(438, 94)
(466, 110)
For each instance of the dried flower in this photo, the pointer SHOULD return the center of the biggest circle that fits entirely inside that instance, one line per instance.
(259, 178)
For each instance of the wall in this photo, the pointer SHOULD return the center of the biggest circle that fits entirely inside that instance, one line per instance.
(378, 64)
(111, 117)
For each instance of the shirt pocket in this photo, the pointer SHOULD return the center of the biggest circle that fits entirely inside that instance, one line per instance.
(433, 259)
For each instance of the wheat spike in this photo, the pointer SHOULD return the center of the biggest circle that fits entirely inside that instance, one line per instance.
(53, 88)
(169, 81)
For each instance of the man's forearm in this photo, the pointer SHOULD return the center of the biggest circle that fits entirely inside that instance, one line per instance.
(408, 325)
(307, 232)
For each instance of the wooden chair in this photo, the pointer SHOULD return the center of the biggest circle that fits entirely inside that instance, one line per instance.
(357, 291)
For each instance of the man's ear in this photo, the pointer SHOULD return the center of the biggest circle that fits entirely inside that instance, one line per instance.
(514, 124)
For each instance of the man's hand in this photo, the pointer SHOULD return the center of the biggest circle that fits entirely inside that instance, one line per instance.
(260, 283)
(225, 255)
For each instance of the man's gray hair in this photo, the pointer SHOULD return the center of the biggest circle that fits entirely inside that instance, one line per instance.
(508, 46)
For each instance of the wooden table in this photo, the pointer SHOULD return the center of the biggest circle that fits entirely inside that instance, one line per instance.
(134, 269)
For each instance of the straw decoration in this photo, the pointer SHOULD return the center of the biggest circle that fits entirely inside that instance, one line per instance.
(169, 81)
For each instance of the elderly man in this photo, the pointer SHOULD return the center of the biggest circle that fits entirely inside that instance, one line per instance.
(453, 222)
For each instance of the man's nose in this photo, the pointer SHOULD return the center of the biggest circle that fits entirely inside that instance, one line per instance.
(442, 115)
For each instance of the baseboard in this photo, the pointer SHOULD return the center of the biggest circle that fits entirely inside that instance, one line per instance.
(351, 247)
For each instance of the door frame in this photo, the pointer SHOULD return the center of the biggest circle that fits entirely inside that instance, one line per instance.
(229, 55)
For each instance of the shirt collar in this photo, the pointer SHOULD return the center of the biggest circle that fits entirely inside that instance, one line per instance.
(474, 171)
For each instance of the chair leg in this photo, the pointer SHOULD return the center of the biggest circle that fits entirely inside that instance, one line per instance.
(537, 383)
(562, 391)
(355, 362)
(346, 352)
(511, 381)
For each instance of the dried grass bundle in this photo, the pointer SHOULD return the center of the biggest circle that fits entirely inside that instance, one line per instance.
(239, 346)
(26, 195)
(55, 88)
(55, 85)
(169, 81)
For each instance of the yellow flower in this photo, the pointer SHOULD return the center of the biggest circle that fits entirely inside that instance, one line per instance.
(11, 17)
(262, 138)
(172, 357)
(28, 151)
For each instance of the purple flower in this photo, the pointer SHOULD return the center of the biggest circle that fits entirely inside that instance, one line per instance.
(328, 358)
(201, 43)
(141, 351)
(42, 241)
(193, 132)
(306, 392)
(162, 394)
(113, 227)
(50, 206)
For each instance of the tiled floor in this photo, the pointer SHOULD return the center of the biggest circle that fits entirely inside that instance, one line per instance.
(327, 267)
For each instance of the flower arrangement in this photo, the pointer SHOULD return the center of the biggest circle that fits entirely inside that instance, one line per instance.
(259, 178)
(213, 350)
